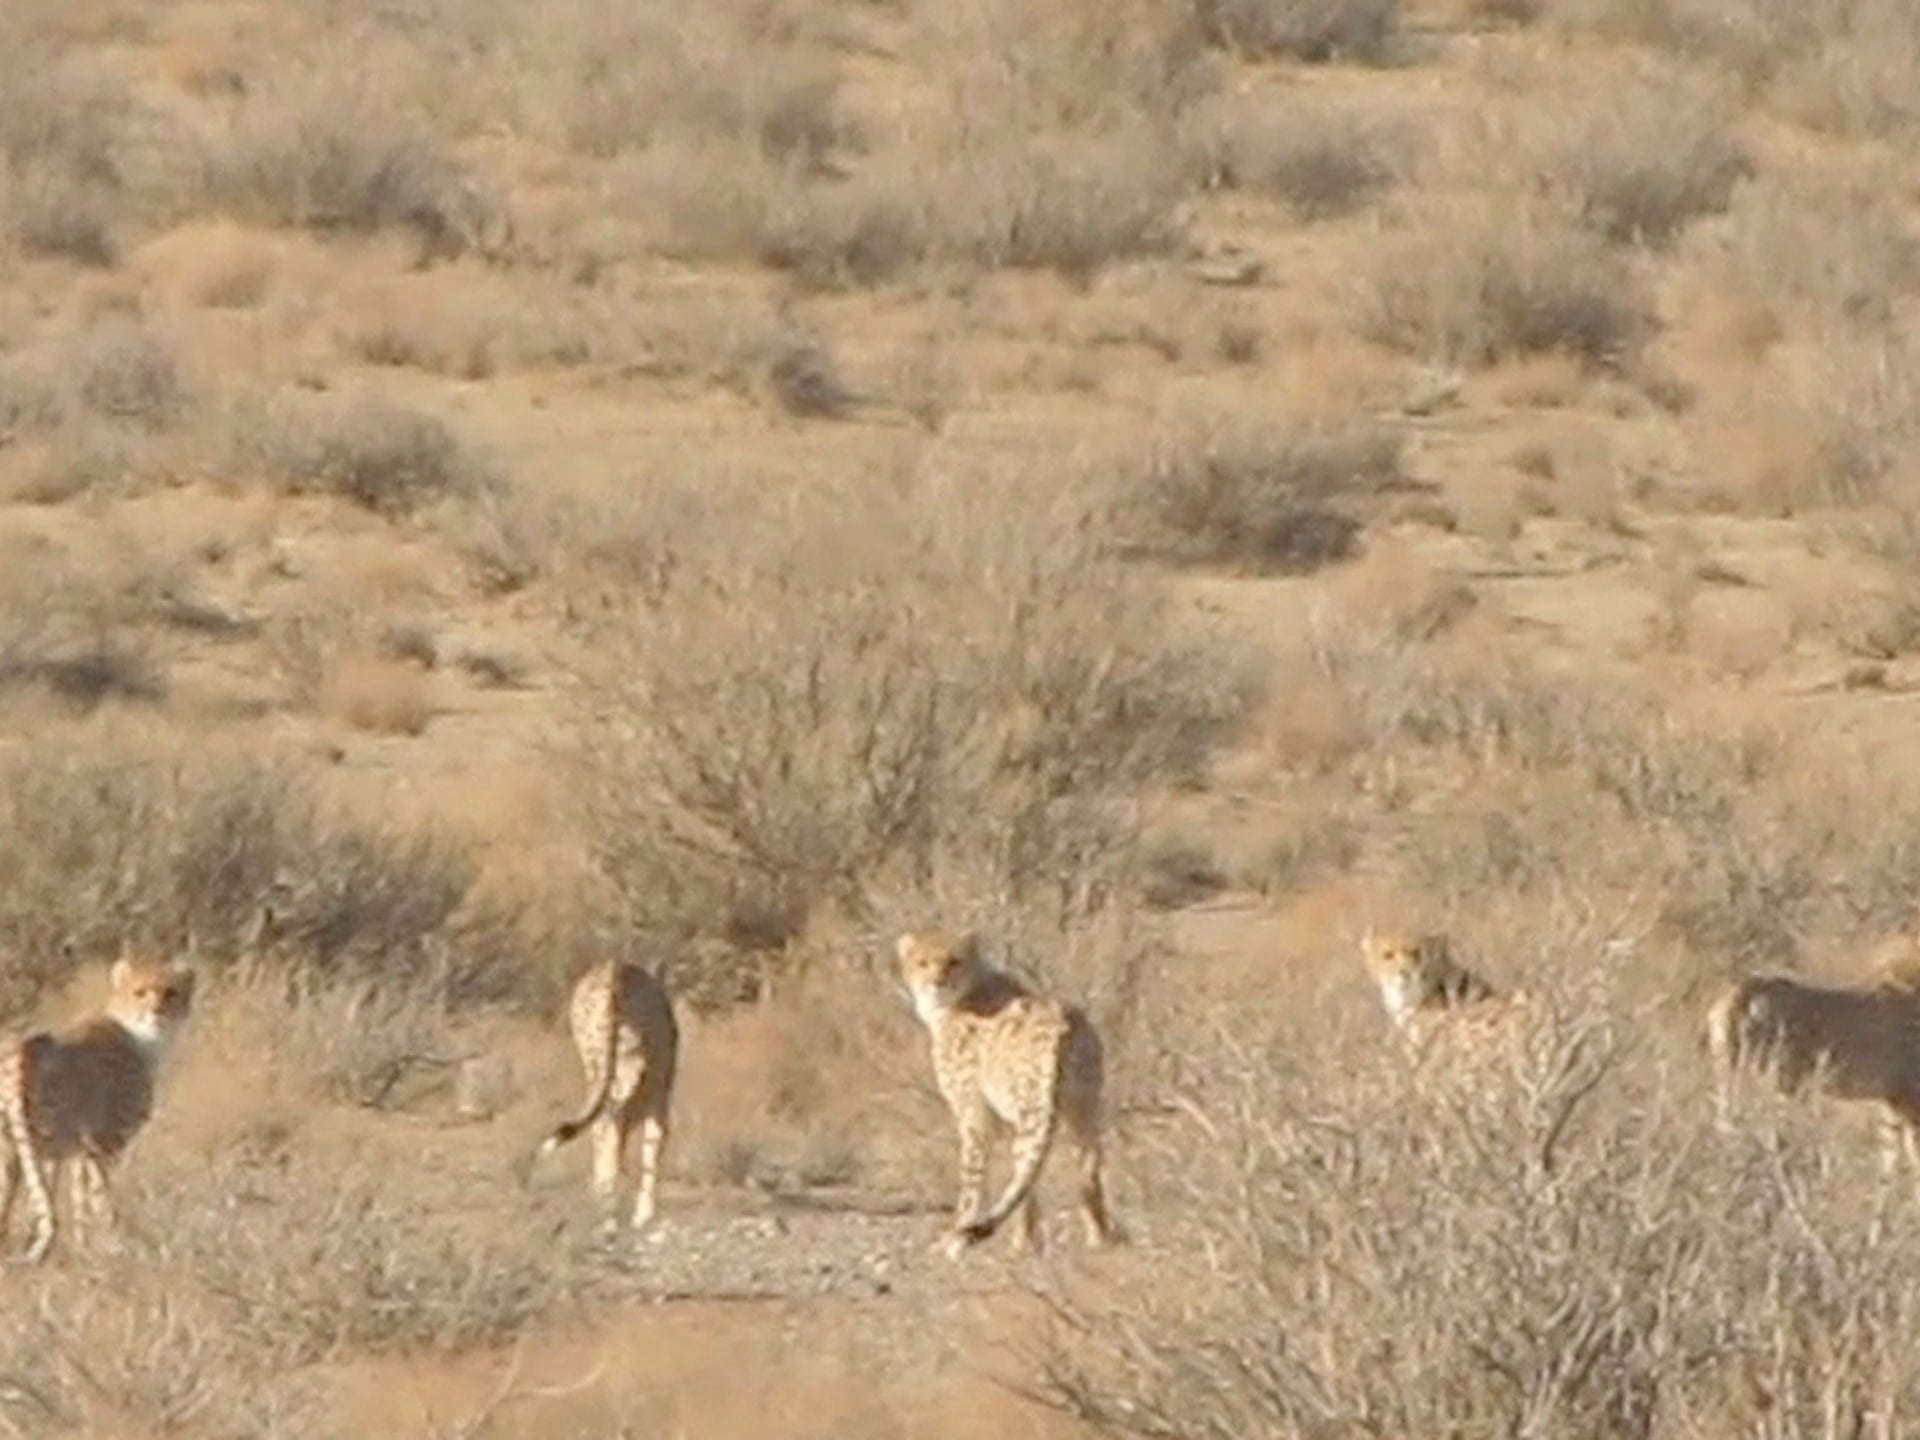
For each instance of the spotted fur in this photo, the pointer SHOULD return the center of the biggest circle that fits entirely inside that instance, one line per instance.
(1002, 1054)
(1434, 1000)
(623, 1027)
(85, 1093)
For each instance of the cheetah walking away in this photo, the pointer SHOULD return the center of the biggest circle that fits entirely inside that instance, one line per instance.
(1853, 1044)
(84, 1094)
(1433, 999)
(623, 1027)
(1002, 1054)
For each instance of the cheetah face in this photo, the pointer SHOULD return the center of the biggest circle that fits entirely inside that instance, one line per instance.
(151, 1000)
(1402, 966)
(936, 969)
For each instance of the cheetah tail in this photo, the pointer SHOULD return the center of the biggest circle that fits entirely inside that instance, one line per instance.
(596, 1106)
(1030, 1153)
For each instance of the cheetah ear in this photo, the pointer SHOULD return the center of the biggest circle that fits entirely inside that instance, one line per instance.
(966, 945)
(183, 980)
(903, 947)
(120, 972)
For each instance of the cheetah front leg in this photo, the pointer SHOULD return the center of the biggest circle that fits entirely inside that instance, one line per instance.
(40, 1206)
(93, 1195)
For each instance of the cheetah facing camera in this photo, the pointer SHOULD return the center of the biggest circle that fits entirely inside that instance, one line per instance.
(623, 1027)
(1428, 994)
(83, 1094)
(1002, 1054)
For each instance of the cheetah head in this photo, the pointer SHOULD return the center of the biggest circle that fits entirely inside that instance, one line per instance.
(150, 999)
(1407, 968)
(937, 968)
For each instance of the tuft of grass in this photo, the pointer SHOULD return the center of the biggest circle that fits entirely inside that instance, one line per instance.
(1365, 32)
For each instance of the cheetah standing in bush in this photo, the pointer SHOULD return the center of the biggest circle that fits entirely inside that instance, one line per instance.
(1432, 998)
(623, 1027)
(84, 1093)
(1003, 1054)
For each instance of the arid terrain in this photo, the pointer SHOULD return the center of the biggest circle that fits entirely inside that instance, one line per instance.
(1171, 484)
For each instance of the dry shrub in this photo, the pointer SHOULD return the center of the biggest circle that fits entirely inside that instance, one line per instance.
(125, 371)
(330, 142)
(371, 451)
(380, 695)
(1638, 158)
(1742, 840)
(1830, 259)
(1565, 1248)
(1817, 246)
(1479, 279)
(74, 629)
(122, 838)
(1846, 67)
(1257, 491)
(1051, 141)
(108, 403)
(626, 77)
(773, 739)
(1323, 159)
(62, 116)
(1365, 32)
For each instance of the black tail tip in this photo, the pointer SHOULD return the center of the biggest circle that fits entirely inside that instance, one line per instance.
(977, 1230)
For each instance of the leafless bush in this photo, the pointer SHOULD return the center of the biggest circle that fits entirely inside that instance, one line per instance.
(1841, 67)
(126, 371)
(62, 118)
(1323, 160)
(1833, 248)
(157, 847)
(1498, 277)
(1640, 161)
(1362, 31)
(324, 147)
(1564, 1247)
(1051, 142)
(384, 456)
(76, 632)
(1259, 491)
(779, 741)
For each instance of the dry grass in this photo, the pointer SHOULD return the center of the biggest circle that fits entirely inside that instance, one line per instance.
(1491, 278)
(1164, 483)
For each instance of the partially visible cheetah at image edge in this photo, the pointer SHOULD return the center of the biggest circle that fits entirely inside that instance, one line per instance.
(83, 1094)
(1002, 1054)
(629, 1042)
(1432, 998)
(1852, 1043)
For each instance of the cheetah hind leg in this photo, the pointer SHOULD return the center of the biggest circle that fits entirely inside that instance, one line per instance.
(1095, 1218)
(653, 1143)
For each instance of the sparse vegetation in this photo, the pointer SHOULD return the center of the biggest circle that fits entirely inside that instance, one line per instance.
(1168, 484)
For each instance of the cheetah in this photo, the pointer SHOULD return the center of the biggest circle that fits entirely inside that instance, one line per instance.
(1002, 1054)
(83, 1094)
(1432, 998)
(623, 1026)
(1851, 1043)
